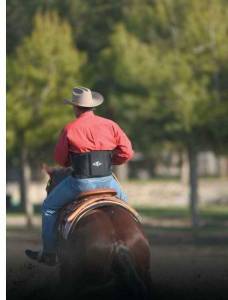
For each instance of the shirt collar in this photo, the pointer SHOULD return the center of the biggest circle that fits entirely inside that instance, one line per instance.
(86, 114)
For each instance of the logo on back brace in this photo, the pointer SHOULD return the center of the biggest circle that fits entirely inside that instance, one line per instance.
(97, 164)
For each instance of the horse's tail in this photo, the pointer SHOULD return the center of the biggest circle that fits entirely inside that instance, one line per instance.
(125, 282)
(127, 276)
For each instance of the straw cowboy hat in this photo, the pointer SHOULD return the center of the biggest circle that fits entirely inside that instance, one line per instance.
(84, 97)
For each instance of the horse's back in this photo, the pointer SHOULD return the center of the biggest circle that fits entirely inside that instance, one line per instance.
(86, 202)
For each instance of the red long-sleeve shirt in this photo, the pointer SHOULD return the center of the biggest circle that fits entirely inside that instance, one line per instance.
(90, 132)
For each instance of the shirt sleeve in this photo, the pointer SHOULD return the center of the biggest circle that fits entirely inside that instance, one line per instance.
(123, 151)
(61, 152)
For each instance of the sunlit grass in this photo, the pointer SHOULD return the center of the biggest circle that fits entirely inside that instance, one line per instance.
(210, 211)
(212, 218)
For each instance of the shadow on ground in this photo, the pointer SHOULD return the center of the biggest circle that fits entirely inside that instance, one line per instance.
(186, 264)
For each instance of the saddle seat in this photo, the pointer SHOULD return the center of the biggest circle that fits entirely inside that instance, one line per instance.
(85, 203)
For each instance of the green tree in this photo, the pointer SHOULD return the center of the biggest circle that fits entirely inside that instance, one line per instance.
(167, 68)
(19, 19)
(40, 74)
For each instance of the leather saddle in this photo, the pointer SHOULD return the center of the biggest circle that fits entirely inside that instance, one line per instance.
(85, 203)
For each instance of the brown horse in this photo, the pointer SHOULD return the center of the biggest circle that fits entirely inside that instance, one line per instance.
(105, 254)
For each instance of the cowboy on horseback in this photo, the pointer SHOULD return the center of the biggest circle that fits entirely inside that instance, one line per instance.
(89, 144)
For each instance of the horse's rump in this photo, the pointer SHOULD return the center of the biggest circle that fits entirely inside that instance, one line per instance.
(107, 250)
(87, 202)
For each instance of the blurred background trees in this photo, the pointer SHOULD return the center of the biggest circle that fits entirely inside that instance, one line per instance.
(161, 65)
(40, 74)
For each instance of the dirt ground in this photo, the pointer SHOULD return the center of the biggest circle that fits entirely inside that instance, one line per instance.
(184, 266)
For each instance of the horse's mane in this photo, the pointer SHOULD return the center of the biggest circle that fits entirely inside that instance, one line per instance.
(57, 175)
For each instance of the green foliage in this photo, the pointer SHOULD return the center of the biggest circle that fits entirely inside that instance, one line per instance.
(19, 19)
(42, 72)
(19, 16)
(92, 21)
(167, 60)
(161, 65)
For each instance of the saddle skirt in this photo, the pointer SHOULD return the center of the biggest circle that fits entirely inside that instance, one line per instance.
(85, 203)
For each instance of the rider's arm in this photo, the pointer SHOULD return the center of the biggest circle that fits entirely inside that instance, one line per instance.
(123, 151)
(61, 153)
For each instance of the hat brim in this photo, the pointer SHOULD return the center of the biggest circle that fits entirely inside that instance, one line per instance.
(97, 100)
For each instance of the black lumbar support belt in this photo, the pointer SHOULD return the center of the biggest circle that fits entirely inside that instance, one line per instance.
(92, 164)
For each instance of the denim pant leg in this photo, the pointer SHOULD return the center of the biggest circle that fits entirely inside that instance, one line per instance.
(120, 193)
(111, 182)
(62, 194)
(103, 182)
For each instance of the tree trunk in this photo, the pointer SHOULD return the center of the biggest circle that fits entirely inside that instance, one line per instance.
(223, 166)
(184, 168)
(24, 184)
(193, 185)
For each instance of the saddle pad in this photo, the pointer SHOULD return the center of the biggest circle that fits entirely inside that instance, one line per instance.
(90, 204)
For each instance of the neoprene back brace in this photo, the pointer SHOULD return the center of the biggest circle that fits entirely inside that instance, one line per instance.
(92, 164)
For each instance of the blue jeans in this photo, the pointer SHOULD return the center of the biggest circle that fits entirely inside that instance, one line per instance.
(64, 193)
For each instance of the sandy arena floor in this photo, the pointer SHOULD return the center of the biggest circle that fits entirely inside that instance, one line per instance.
(183, 268)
